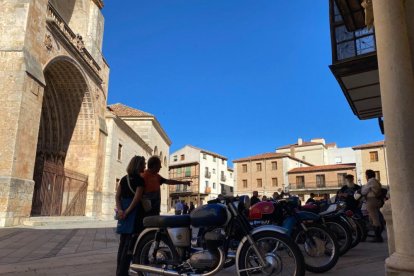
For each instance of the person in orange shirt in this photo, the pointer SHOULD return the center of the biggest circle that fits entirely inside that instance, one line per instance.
(153, 182)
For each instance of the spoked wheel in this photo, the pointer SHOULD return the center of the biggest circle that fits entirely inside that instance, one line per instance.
(319, 248)
(282, 256)
(343, 235)
(144, 253)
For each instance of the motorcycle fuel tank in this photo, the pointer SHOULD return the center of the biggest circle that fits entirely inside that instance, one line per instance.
(210, 215)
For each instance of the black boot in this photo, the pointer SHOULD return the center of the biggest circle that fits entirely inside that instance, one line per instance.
(378, 234)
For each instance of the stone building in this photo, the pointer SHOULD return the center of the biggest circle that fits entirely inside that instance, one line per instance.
(266, 173)
(122, 144)
(207, 170)
(149, 129)
(53, 90)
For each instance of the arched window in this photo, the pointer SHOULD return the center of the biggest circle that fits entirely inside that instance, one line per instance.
(165, 160)
(161, 155)
(156, 150)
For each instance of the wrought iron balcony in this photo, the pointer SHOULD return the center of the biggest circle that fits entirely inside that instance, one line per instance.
(223, 178)
(207, 174)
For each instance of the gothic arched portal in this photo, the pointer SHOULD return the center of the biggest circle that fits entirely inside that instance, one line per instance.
(67, 124)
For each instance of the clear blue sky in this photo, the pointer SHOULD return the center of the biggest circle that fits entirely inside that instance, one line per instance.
(238, 77)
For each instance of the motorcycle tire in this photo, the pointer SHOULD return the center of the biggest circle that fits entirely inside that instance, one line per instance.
(343, 234)
(141, 250)
(294, 251)
(334, 253)
(356, 232)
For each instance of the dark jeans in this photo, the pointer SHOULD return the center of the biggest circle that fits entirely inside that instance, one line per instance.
(124, 259)
(155, 203)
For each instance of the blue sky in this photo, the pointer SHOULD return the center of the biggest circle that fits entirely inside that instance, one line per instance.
(238, 77)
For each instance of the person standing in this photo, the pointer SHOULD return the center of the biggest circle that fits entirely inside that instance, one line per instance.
(372, 191)
(178, 208)
(129, 212)
(185, 208)
(311, 199)
(192, 207)
(255, 198)
(346, 193)
(153, 182)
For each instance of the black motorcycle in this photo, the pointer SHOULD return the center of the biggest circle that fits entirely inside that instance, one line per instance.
(164, 247)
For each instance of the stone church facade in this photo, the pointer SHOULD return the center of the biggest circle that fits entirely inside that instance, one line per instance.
(53, 91)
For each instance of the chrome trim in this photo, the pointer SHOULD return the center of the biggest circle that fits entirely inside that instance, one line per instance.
(150, 269)
(219, 267)
(272, 228)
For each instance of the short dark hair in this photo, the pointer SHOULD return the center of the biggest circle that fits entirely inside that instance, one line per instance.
(134, 164)
(153, 161)
(350, 177)
(370, 174)
(312, 194)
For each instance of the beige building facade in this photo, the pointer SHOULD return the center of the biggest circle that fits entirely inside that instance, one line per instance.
(265, 173)
(53, 89)
(320, 180)
(372, 157)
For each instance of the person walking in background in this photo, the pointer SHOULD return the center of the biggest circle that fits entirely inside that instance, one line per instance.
(264, 198)
(192, 207)
(255, 198)
(373, 192)
(130, 213)
(153, 182)
(311, 199)
(179, 208)
(185, 208)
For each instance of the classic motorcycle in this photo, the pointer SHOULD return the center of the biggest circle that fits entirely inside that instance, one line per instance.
(317, 243)
(164, 247)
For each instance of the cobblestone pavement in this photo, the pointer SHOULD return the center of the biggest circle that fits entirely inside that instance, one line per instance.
(92, 251)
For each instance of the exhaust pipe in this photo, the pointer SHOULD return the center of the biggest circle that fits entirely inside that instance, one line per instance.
(155, 270)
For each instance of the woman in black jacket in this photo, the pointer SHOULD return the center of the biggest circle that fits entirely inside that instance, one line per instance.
(129, 211)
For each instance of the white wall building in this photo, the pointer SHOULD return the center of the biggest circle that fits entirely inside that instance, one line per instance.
(213, 170)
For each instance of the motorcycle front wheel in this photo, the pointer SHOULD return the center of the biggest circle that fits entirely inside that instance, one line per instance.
(343, 234)
(282, 256)
(319, 248)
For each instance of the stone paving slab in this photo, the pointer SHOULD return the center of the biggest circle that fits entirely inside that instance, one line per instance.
(92, 251)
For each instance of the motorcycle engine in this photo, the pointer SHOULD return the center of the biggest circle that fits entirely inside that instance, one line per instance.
(204, 260)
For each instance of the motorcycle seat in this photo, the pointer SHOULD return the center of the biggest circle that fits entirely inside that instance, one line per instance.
(167, 221)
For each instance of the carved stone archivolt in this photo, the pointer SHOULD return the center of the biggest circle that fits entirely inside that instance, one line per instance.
(56, 22)
(48, 42)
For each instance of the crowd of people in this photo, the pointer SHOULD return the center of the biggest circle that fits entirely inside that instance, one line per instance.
(363, 200)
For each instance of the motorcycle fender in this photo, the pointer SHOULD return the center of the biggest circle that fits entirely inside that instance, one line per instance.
(264, 228)
(146, 231)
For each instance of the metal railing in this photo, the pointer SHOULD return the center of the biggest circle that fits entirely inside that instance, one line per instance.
(207, 174)
(315, 185)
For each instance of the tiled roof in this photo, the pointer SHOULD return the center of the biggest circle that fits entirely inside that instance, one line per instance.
(261, 156)
(323, 168)
(304, 144)
(370, 145)
(126, 111)
(209, 152)
(331, 145)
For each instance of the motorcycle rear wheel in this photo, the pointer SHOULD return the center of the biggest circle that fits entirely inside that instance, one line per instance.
(309, 241)
(272, 244)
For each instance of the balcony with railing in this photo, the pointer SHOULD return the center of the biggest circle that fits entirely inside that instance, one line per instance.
(207, 174)
(223, 178)
(184, 189)
(328, 185)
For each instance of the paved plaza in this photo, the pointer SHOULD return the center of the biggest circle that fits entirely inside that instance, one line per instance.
(92, 251)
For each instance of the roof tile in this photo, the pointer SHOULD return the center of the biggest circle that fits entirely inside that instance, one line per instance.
(122, 110)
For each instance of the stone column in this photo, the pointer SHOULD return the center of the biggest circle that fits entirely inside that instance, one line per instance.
(396, 73)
